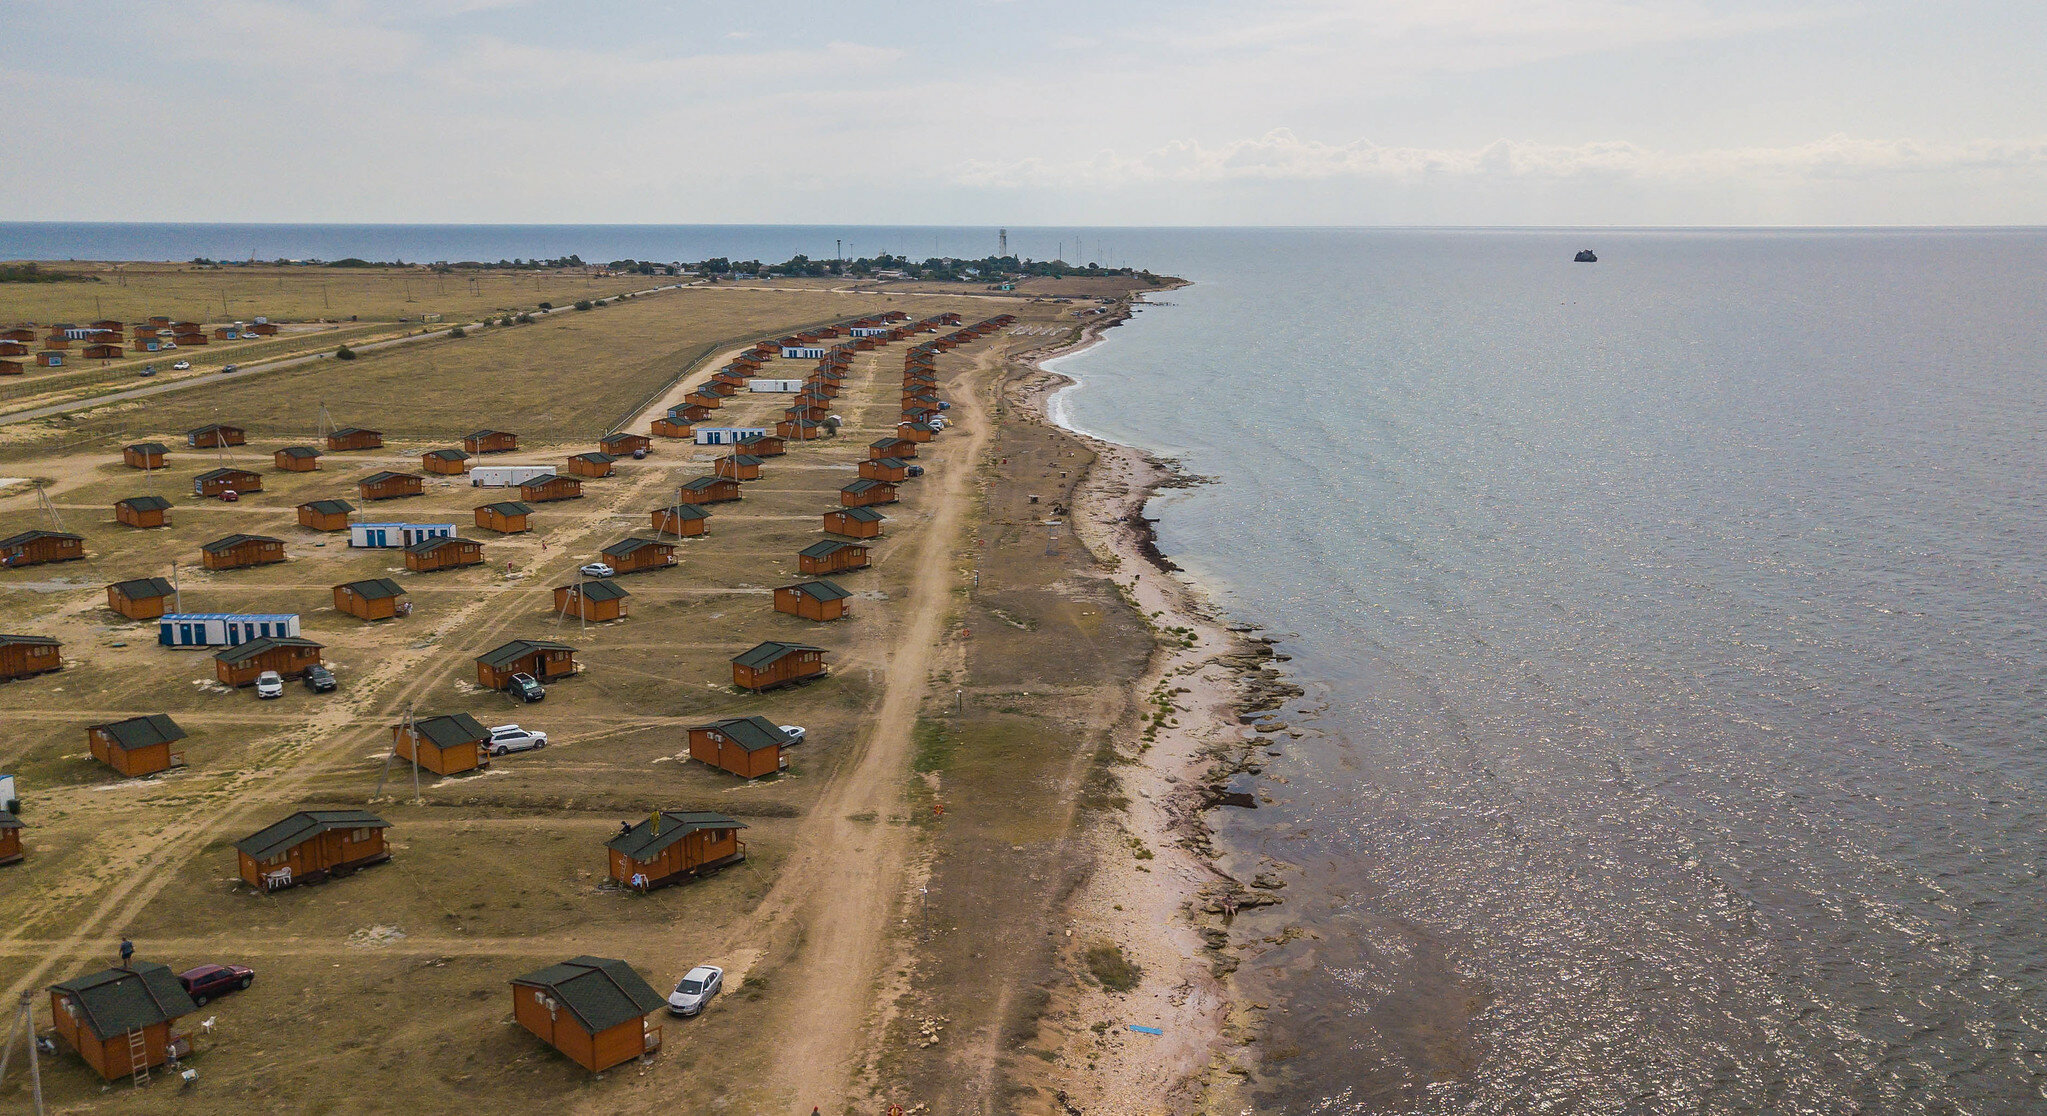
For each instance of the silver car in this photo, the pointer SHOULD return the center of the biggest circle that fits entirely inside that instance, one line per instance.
(695, 990)
(506, 739)
(269, 684)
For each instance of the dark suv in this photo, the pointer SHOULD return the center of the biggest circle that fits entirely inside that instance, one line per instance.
(320, 680)
(526, 687)
(212, 981)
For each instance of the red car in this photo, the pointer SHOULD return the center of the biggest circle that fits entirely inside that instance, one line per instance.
(209, 981)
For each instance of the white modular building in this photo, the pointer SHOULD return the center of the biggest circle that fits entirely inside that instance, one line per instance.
(803, 352)
(222, 629)
(791, 386)
(505, 476)
(870, 331)
(726, 435)
(395, 535)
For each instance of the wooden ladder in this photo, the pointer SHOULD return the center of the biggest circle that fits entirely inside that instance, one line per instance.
(138, 1056)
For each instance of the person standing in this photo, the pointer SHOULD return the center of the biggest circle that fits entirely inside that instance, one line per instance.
(127, 951)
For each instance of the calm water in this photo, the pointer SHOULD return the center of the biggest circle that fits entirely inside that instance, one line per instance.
(1676, 627)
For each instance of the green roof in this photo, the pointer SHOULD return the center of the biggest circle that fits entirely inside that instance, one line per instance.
(821, 589)
(143, 588)
(623, 547)
(113, 1002)
(750, 733)
(330, 507)
(28, 641)
(865, 485)
(299, 451)
(599, 992)
(828, 548)
(448, 454)
(602, 589)
(148, 447)
(518, 649)
(687, 511)
(9, 821)
(648, 838)
(451, 730)
(142, 732)
(864, 515)
(302, 827)
(595, 457)
(429, 545)
(381, 477)
(890, 463)
(770, 652)
(704, 482)
(260, 644)
(30, 536)
(219, 474)
(375, 589)
(144, 503)
(508, 507)
(546, 478)
(482, 434)
(744, 459)
(348, 430)
(229, 542)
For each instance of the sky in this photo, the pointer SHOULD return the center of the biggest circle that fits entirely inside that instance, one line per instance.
(1028, 112)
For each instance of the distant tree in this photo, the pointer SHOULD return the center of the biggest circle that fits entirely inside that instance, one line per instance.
(547, 306)
(458, 331)
(344, 353)
(583, 304)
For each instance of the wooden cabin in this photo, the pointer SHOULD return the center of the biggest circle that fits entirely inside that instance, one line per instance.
(311, 846)
(709, 490)
(506, 517)
(689, 412)
(591, 465)
(799, 429)
(378, 598)
(490, 441)
(215, 435)
(915, 431)
(544, 659)
(18, 333)
(297, 459)
(144, 455)
(102, 350)
(49, 358)
(762, 445)
(214, 482)
(854, 523)
(541, 490)
(137, 746)
(446, 745)
(593, 1009)
(143, 511)
(238, 551)
(355, 438)
(189, 340)
(226, 333)
(830, 557)
(891, 469)
(681, 520)
(900, 448)
(387, 485)
(447, 552)
(708, 396)
(748, 747)
(142, 598)
(24, 656)
(775, 663)
(601, 599)
(34, 548)
(326, 515)
(260, 329)
(447, 462)
(636, 554)
(120, 1020)
(287, 655)
(12, 368)
(738, 466)
(813, 600)
(672, 426)
(10, 838)
(622, 444)
(673, 846)
(866, 493)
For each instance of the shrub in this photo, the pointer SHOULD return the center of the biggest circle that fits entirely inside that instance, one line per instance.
(508, 319)
(547, 306)
(458, 331)
(525, 319)
(583, 305)
(344, 353)
(1117, 973)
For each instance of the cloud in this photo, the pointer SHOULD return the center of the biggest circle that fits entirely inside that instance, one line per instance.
(1281, 156)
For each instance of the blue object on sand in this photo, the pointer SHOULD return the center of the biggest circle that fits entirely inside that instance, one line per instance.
(1146, 1030)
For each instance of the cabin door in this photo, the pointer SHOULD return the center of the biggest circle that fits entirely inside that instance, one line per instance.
(375, 537)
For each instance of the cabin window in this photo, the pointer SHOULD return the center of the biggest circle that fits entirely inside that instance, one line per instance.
(360, 835)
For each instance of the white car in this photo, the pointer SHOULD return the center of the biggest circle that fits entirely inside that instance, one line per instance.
(695, 990)
(506, 739)
(181, 366)
(269, 684)
(795, 733)
(598, 569)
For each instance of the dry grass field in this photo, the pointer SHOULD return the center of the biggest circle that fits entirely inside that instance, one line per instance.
(386, 992)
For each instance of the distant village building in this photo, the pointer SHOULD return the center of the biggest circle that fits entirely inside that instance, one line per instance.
(144, 455)
(297, 459)
(673, 846)
(818, 600)
(506, 517)
(550, 487)
(235, 552)
(24, 656)
(216, 435)
(35, 548)
(830, 557)
(215, 482)
(445, 745)
(311, 846)
(325, 515)
(374, 599)
(138, 746)
(143, 598)
(591, 465)
(490, 441)
(390, 486)
(634, 555)
(856, 523)
(867, 493)
(748, 747)
(681, 520)
(355, 438)
(446, 462)
(120, 1020)
(544, 659)
(593, 1009)
(444, 553)
(622, 444)
(290, 656)
(709, 490)
(600, 599)
(775, 663)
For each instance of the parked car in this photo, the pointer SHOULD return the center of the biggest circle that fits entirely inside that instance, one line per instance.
(230, 496)
(208, 982)
(937, 422)
(527, 687)
(506, 739)
(147, 370)
(916, 470)
(795, 733)
(598, 569)
(270, 684)
(695, 990)
(232, 368)
(320, 680)
(181, 366)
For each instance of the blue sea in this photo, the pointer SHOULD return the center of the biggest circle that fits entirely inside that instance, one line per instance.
(1674, 630)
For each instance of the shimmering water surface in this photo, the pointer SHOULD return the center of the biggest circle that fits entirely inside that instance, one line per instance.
(1674, 628)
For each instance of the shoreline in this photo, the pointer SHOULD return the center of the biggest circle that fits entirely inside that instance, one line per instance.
(1158, 891)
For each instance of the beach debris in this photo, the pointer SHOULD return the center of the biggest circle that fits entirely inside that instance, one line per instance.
(1144, 1030)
